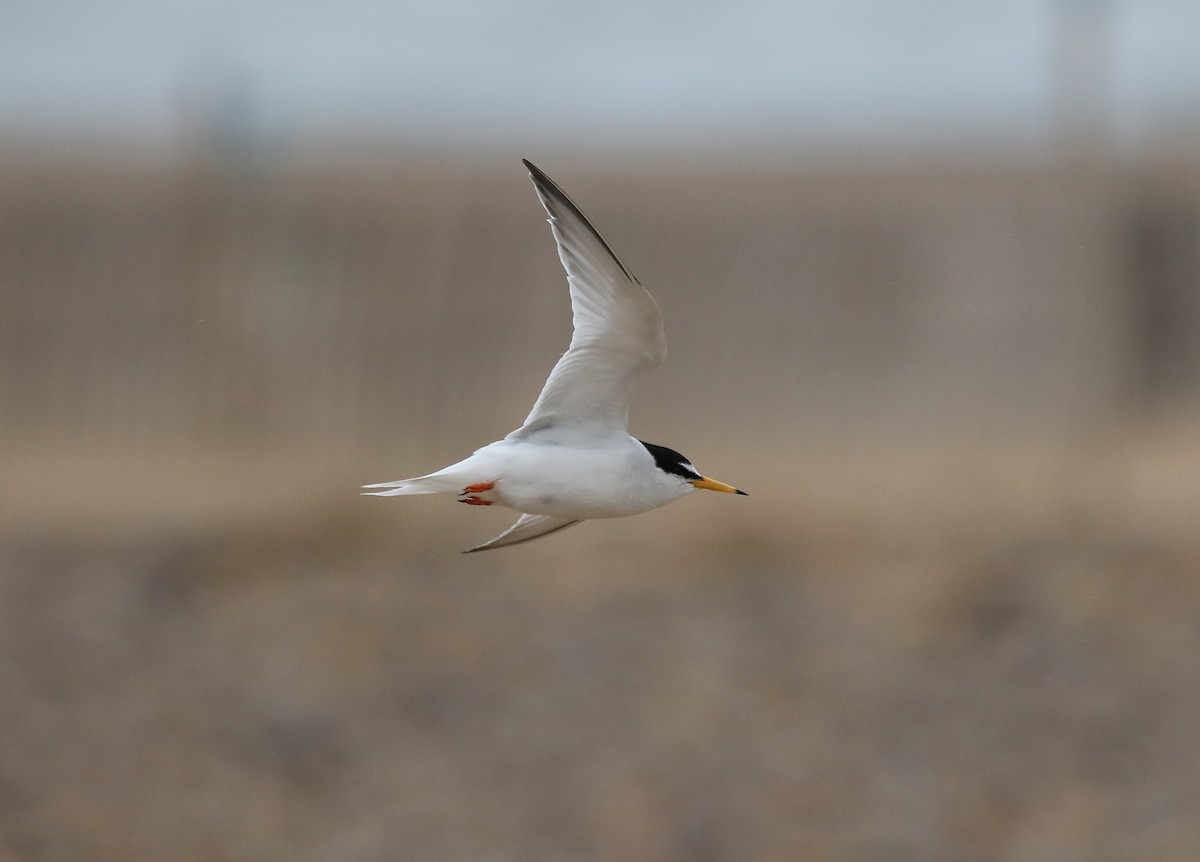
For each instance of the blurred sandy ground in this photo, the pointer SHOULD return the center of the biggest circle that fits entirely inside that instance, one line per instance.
(956, 618)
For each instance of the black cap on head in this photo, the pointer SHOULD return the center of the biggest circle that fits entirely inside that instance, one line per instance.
(670, 461)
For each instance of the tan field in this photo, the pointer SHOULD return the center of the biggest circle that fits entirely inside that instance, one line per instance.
(956, 618)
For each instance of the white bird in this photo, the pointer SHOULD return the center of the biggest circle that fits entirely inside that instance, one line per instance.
(574, 458)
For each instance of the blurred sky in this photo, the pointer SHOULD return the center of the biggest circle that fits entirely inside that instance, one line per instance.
(677, 73)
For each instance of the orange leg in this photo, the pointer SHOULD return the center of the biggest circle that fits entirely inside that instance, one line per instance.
(471, 492)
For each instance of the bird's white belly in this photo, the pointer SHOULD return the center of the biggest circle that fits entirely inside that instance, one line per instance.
(566, 481)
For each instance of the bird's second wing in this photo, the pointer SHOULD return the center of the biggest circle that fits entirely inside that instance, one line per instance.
(618, 329)
(526, 529)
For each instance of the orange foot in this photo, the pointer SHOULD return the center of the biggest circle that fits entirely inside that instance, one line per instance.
(470, 494)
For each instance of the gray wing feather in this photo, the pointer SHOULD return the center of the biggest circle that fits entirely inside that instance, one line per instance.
(618, 333)
(526, 529)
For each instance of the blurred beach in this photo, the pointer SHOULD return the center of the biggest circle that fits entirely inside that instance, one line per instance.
(956, 618)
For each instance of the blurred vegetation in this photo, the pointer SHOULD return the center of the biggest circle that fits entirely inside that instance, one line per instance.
(955, 620)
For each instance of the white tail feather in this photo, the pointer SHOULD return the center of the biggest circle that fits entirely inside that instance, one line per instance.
(402, 490)
(431, 484)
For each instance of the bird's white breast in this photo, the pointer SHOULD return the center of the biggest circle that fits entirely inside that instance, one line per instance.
(602, 478)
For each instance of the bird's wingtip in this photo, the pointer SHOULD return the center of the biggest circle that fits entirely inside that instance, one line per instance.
(541, 180)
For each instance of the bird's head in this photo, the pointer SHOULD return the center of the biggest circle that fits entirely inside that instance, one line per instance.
(675, 464)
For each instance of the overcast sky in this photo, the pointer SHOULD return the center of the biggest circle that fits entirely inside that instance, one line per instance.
(679, 72)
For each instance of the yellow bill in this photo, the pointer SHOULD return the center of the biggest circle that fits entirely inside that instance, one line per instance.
(713, 485)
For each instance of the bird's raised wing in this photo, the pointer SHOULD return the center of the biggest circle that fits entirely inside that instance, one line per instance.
(526, 529)
(618, 329)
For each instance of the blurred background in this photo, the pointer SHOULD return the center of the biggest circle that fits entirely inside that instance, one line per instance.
(930, 281)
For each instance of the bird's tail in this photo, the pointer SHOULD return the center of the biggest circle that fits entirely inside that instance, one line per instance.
(431, 484)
